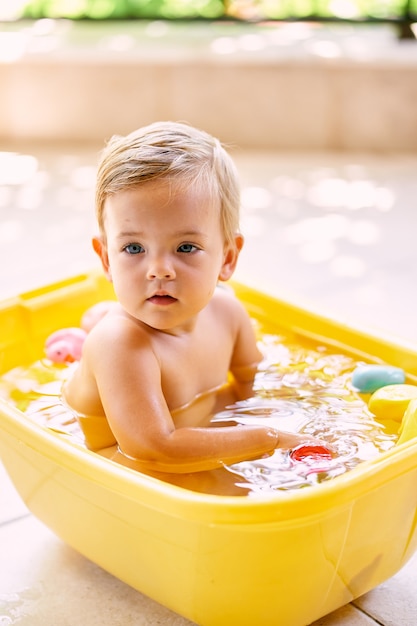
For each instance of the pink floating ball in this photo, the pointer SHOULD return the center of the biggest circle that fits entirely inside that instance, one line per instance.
(65, 345)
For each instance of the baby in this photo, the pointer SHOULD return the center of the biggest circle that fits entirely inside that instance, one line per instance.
(176, 348)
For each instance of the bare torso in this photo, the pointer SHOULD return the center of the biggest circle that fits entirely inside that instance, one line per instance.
(193, 366)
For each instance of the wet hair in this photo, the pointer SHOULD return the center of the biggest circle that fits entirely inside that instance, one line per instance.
(174, 152)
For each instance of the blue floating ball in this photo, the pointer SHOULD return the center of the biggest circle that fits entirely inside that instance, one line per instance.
(369, 378)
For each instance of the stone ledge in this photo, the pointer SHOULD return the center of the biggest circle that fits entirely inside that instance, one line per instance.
(300, 87)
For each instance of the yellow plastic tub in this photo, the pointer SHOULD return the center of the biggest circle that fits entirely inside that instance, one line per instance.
(283, 559)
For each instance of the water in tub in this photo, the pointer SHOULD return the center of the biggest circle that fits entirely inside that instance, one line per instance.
(300, 387)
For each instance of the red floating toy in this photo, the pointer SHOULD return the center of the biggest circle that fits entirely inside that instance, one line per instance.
(311, 452)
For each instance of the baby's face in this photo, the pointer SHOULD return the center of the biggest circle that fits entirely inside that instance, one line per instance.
(165, 252)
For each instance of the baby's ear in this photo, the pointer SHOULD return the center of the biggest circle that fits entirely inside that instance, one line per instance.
(100, 249)
(231, 255)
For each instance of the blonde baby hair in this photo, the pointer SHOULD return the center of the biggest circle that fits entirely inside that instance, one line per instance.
(171, 151)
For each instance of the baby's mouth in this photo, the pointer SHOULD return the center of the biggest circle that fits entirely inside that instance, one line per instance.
(162, 299)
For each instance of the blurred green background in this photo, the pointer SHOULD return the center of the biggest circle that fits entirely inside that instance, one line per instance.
(385, 10)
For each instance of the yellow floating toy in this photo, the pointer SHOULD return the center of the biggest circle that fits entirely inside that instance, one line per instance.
(279, 559)
(390, 402)
(408, 428)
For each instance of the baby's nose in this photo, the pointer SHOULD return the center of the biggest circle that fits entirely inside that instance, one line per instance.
(161, 268)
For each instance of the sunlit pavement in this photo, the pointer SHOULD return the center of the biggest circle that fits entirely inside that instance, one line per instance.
(335, 232)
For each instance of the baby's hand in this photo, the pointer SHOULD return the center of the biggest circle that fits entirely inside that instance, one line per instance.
(292, 440)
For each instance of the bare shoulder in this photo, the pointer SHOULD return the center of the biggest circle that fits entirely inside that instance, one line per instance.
(116, 333)
(225, 301)
(108, 356)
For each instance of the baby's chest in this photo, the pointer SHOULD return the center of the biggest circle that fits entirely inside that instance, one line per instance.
(194, 370)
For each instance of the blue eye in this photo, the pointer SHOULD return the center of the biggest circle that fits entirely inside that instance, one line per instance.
(133, 248)
(186, 248)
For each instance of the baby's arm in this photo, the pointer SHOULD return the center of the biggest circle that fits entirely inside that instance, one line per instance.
(244, 365)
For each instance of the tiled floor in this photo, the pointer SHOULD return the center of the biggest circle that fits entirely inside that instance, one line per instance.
(335, 232)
